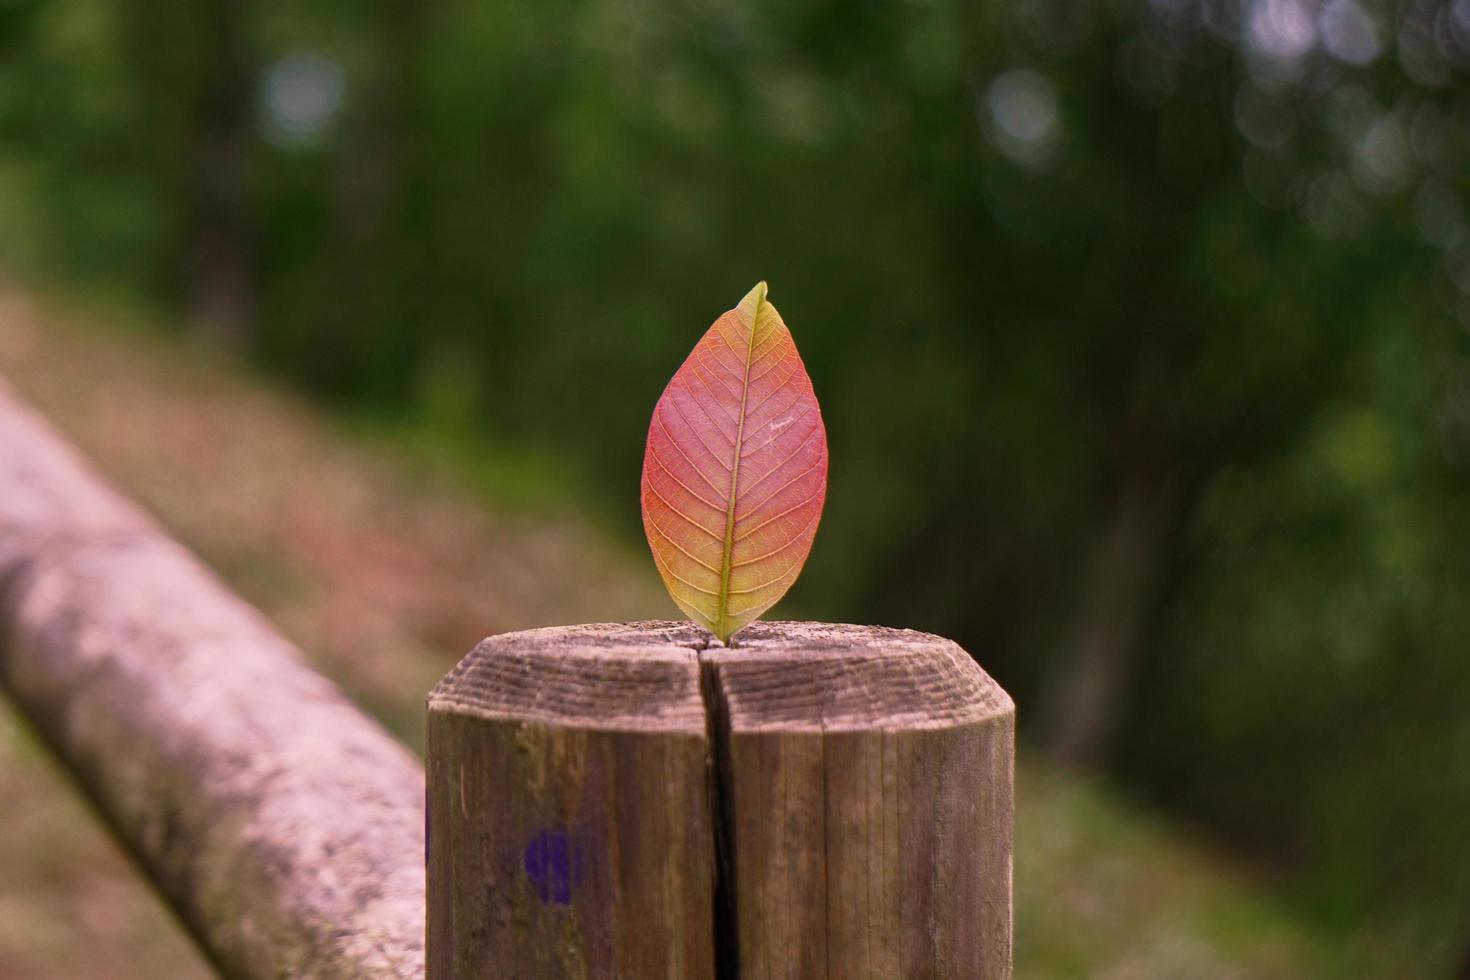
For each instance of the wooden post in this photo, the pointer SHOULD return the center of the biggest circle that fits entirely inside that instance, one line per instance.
(628, 801)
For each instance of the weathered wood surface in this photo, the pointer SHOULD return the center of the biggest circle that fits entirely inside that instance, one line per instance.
(569, 829)
(888, 756)
(284, 827)
(858, 803)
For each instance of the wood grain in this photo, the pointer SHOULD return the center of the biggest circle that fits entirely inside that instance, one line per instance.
(283, 826)
(868, 804)
(569, 828)
(823, 801)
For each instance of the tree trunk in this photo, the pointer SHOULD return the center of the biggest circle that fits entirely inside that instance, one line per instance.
(221, 205)
(1119, 589)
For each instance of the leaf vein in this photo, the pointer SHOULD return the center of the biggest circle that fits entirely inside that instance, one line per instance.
(794, 539)
(764, 476)
(783, 487)
(673, 476)
(686, 517)
(720, 366)
(778, 434)
(698, 438)
(771, 343)
(783, 386)
(703, 410)
(776, 517)
(658, 416)
(704, 360)
(664, 567)
(727, 553)
(685, 551)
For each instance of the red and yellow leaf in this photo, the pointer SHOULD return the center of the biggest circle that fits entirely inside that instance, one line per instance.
(735, 473)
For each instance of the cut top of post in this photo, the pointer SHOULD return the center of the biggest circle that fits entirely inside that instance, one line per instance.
(833, 678)
(606, 677)
(777, 675)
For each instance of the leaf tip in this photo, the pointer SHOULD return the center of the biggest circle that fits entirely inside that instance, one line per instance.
(755, 297)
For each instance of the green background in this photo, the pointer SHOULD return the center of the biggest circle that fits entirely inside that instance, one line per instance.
(1139, 328)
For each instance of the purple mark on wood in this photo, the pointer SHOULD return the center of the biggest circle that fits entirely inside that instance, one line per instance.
(553, 862)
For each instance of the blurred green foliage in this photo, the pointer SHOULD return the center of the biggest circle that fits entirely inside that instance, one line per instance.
(1137, 325)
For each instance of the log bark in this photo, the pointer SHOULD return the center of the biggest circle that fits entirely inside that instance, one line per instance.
(283, 826)
(626, 800)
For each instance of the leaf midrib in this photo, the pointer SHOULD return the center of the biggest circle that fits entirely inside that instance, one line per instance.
(727, 554)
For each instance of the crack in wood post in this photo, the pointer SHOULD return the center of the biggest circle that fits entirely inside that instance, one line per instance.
(727, 940)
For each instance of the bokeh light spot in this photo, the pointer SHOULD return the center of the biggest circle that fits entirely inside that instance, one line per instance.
(1023, 111)
(301, 96)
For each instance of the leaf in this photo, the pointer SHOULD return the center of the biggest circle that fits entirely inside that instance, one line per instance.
(735, 473)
